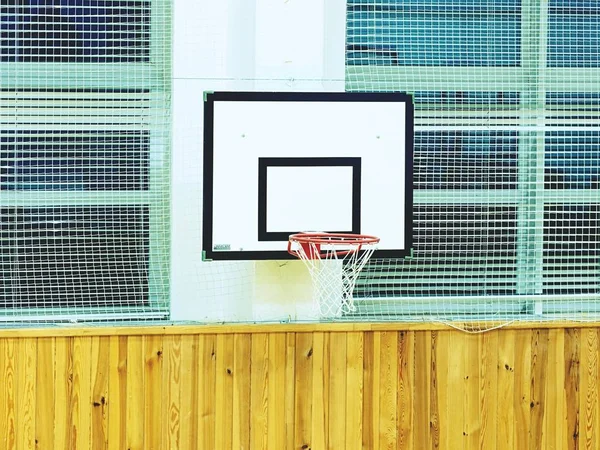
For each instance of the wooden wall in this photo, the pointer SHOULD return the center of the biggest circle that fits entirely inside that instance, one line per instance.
(255, 389)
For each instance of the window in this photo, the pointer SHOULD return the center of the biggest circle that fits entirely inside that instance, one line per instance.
(506, 163)
(84, 151)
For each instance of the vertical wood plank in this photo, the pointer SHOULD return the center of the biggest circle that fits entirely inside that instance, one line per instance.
(422, 399)
(337, 391)
(153, 395)
(171, 405)
(555, 425)
(472, 406)
(522, 388)
(303, 390)
(290, 391)
(224, 391)
(588, 389)
(572, 379)
(241, 391)
(189, 387)
(207, 382)
(45, 400)
(354, 390)
(506, 384)
(259, 356)
(100, 355)
(435, 394)
(7, 394)
(440, 387)
(117, 392)
(276, 392)
(405, 396)
(319, 420)
(63, 382)
(81, 394)
(26, 392)
(388, 389)
(537, 404)
(455, 415)
(136, 411)
(370, 435)
(489, 390)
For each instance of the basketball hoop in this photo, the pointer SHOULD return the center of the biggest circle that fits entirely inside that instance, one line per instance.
(334, 261)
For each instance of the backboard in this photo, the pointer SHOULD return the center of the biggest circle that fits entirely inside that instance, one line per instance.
(276, 164)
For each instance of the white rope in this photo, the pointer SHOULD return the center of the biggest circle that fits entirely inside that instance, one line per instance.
(334, 276)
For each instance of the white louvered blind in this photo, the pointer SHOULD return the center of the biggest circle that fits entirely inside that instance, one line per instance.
(506, 155)
(84, 159)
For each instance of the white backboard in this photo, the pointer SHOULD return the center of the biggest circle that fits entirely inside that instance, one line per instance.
(282, 163)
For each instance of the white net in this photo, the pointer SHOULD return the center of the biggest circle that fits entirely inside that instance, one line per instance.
(506, 161)
(84, 160)
(334, 262)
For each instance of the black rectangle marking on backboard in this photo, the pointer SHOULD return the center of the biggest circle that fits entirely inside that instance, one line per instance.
(265, 163)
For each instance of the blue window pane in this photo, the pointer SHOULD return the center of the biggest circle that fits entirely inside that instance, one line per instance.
(571, 249)
(470, 98)
(572, 160)
(574, 34)
(102, 31)
(8, 30)
(74, 160)
(432, 33)
(465, 160)
(45, 246)
(583, 101)
(449, 240)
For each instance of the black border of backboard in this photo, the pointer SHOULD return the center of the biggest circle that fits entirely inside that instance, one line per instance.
(265, 163)
(208, 159)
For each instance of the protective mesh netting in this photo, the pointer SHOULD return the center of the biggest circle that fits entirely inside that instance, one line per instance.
(84, 159)
(506, 157)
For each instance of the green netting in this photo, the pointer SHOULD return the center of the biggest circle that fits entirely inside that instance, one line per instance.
(506, 159)
(84, 156)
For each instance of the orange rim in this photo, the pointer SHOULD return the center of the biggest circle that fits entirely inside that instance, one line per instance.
(334, 238)
(318, 239)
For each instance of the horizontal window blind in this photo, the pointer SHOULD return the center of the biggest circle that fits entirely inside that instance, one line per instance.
(506, 162)
(84, 159)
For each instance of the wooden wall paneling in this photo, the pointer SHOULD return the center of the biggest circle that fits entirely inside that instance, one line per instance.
(419, 389)
(153, 391)
(354, 390)
(290, 391)
(405, 384)
(135, 407)
(320, 391)
(303, 400)
(472, 408)
(259, 389)
(538, 395)
(241, 391)
(100, 356)
(224, 391)
(388, 389)
(506, 385)
(207, 349)
(554, 435)
(337, 390)
(189, 391)
(117, 391)
(522, 388)
(45, 394)
(26, 392)
(170, 388)
(588, 392)
(489, 367)
(276, 391)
